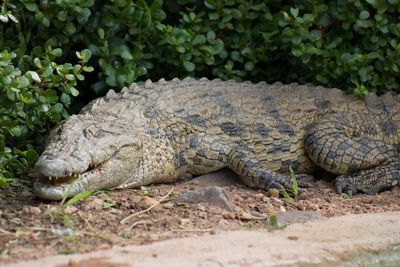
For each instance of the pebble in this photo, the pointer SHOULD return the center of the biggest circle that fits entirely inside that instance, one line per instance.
(70, 210)
(228, 215)
(32, 210)
(303, 196)
(311, 206)
(273, 192)
(295, 216)
(222, 224)
(63, 231)
(169, 205)
(259, 196)
(265, 199)
(95, 204)
(277, 201)
(184, 221)
(214, 195)
(146, 202)
(135, 199)
(103, 246)
(300, 206)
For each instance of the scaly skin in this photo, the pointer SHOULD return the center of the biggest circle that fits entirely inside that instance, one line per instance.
(172, 130)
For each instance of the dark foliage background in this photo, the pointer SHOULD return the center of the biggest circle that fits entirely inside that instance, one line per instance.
(51, 51)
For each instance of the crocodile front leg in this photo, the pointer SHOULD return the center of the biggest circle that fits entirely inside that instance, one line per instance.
(357, 148)
(255, 174)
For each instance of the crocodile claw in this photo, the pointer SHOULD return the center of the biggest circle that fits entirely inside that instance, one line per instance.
(344, 186)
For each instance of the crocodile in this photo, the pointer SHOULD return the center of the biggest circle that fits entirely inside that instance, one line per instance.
(167, 131)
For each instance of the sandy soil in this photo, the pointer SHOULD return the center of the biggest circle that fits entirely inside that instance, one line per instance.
(331, 242)
(31, 228)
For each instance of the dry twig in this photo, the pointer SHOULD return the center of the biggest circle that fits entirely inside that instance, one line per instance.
(149, 208)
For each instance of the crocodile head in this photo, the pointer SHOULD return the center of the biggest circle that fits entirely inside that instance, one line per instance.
(82, 154)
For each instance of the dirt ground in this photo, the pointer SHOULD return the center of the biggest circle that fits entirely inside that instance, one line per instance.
(31, 228)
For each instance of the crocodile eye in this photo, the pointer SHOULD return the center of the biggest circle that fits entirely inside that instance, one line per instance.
(99, 133)
(91, 131)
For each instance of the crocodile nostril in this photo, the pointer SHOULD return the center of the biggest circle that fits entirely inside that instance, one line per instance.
(49, 156)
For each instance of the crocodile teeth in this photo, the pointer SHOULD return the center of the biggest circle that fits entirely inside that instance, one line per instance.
(148, 83)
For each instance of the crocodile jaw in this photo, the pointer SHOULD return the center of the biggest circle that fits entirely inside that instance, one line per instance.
(112, 173)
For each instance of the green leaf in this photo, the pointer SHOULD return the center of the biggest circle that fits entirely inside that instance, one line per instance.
(62, 15)
(213, 16)
(70, 77)
(296, 39)
(37, 63)
(31, 6)
(34, 76)
(294, 12)
(23, 82)
(86, 54)
(78, 54)
(78, 197)
(180, 49)
(4, 18)
(4, 181)
(210, 4)
(58, 107)
(70, 28)
(100, 33)
(46, 22)
(125, 54)
(74, 92)
(11, 16)
(31, 156)
(189, 66)
(88, 69)
(80, 77)
(364, 14)
(56, 52)
(16, 131)
(210, 35)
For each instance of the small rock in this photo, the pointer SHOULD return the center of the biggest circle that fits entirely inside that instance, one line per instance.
(103, 246)
(222, 224)
(311, 206)
(147, 202)
(214, 195)
(228, 215)
(272, 192)
(184, 221)
(238, 199)
(277, 201)
(70, 210)
(303, 196)
(300, 206)
(294, 238)
(32, 210)
(259, 196)
(52, 209)
(135, 199)
(95, 204)
(169, 205)
(62, 231)
(295, 216)
(224, 177)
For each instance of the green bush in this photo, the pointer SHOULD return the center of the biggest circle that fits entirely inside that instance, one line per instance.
(353, 45)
